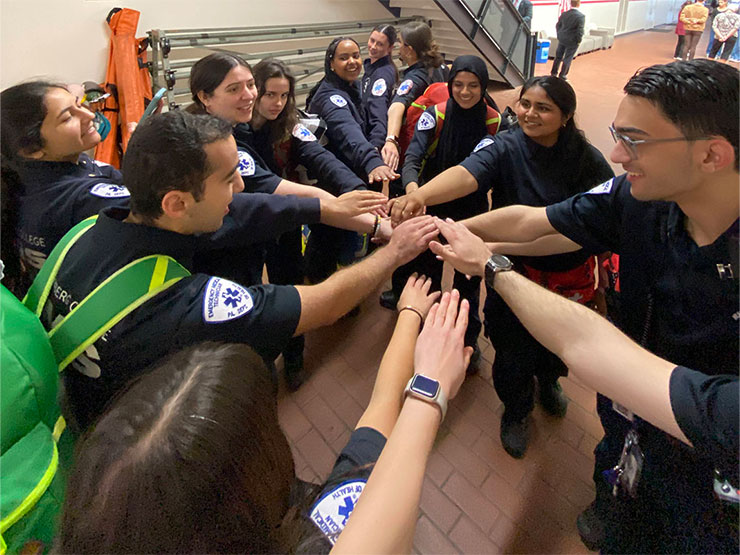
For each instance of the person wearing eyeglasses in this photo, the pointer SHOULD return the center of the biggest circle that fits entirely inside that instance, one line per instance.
(673, 219)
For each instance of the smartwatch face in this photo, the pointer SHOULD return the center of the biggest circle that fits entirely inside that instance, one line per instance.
(500, 261)
(425, 386)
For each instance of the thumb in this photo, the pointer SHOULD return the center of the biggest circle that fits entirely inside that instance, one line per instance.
(467, 353)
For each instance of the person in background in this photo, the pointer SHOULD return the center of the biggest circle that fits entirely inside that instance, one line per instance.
(570, 28)
(694, 17)
(379, 82)
(525, 10)
(680, 33)
(726, 24)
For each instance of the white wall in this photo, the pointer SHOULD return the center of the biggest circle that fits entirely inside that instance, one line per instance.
(68, 39)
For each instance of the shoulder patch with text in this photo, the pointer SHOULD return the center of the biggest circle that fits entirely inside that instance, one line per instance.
(338, 100)
(405, 87)
(426, 121)
(109, 190)
(603, 189)
(302, 132)
(483, 143)
(379, 87)
(331, 512)
(246, 164)
(225, 300)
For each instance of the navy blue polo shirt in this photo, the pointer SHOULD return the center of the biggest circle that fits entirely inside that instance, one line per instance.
(257, 176)
(416, 78)
(55, 196)
(378, 85)
(197, 308)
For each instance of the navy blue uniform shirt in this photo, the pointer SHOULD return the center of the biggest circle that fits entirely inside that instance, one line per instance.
(378, 85)
(415, 80)
(195, 309)
(257, 176)
(346, 128)
(56, 196)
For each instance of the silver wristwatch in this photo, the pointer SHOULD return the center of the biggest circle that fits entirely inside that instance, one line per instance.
(497, 263)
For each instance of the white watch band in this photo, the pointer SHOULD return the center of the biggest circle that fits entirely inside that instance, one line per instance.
(440, 399)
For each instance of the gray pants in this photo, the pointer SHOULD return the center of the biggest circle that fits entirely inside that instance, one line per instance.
(565, 55)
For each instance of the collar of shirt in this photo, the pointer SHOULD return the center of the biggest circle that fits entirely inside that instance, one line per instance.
(41, 174)
(372, 66)
(417, 65)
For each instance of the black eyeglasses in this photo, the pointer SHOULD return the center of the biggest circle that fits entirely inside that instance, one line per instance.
(631, 144)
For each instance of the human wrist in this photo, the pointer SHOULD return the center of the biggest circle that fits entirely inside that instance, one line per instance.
(428, 390)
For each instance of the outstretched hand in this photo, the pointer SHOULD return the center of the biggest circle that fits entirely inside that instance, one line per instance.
(416, 295)
(355, 203)
(411, 238)
(390, 155)
(405, 207)
(466, 252)
(382, 174)
(440, 352)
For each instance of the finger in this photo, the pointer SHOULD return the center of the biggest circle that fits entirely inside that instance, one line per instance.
(467, 354)
(427, 285)
(431, 317)
(411, 281)
(444, 304)
(434, 296)
(462, 316)
(451, 315)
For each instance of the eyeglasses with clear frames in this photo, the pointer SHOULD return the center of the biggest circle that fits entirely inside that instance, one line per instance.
(631, 144)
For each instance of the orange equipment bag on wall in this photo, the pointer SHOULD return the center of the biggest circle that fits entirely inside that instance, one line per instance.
(127, 79)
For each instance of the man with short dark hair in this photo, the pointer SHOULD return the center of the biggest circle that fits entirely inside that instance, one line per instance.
(182, 172)
(569, 29)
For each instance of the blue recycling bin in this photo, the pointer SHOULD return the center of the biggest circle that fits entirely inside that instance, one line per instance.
(543, 51)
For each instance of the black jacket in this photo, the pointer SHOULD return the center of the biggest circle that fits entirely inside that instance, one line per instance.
(570, 27)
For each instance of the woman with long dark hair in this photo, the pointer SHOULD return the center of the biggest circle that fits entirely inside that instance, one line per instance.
(379, 82)
(545, 160)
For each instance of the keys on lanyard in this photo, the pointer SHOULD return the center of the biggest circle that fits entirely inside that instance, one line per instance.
(626, 474)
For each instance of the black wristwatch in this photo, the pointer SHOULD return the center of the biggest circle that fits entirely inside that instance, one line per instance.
(497, 263)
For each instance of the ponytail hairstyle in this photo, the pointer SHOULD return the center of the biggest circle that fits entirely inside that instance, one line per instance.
(329, 75)
(208, 73)
(282, 127)
(22, 112)
(392, 35)
(418, 36)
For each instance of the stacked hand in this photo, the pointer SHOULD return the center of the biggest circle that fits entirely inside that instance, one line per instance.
(355, 203)
(382, 174)
(406, 207)
(466, 252)
(416, 295)
(389, 152)
(411, 238)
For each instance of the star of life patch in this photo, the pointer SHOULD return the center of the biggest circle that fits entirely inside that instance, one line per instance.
(225, 300)
(100, 164)
(379, 87)
(405, 87)
(109, 190)
(246, 164)
(603, 189)
(483, 143)
(331, 512)
(426, 121)
(302, 132)
(338, 100)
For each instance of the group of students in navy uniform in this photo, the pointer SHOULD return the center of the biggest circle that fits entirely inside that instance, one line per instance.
(217, 188)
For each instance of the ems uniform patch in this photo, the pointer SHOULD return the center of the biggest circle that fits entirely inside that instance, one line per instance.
(225, 300)
(483, 144)
(100, 164)
(379, 87)
(338, 100)
(109, 190)
(426, 121)
(246, 164)
(405, 87)
(302, 132)
(331, 512)
(602, 189)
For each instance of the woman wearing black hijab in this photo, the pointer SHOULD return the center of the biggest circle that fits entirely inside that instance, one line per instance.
(445, 135)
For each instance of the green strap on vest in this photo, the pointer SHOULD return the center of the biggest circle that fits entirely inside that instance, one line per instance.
(107, 304)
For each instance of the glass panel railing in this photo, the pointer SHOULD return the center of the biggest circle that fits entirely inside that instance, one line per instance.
(504, 24)
(474, 5)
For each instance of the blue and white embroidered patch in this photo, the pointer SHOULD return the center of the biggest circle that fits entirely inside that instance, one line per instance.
(483, 143)
(405, 87)
(100, 164)
(426, 121)
(331, 512)
(379, 87)
(246, 164)
(302, 132)
(338, 100)
(109, 190)
(602, 189)
(225, 300)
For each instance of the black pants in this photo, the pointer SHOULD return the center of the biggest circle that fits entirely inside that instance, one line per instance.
(565, 55)
(519, 358)
(691, 42)
(726, 48)
(679, 47)
(427, 264)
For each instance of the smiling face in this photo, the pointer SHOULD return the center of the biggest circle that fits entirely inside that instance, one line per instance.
(378, 46)
(67, 129)
(272, 102)
(346, 63)
(466, 89)
(233, 100)
(539, 117)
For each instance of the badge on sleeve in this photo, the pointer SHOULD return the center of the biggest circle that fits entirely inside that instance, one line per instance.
(331, 512)
(405, 87)
(109, 190)
(338, 100)
(246, 164)
(379, 87)
(100, 164)
(302, 132)
(225, 300)
(483, 143)
(426, 121)
(603, 189)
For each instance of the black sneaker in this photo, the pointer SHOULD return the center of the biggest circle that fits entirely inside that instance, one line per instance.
(552, 399)
(388, 299)
(591, 527)
(294, 374)
(515, 436)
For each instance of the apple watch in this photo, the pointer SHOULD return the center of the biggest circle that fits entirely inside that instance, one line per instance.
(497, 263)
(428, 390)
